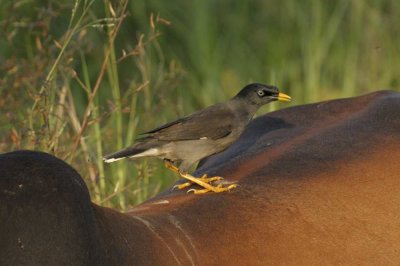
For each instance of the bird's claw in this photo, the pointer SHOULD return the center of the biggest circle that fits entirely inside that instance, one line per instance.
(182, 186)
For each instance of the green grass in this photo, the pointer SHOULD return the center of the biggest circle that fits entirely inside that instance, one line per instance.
(83, 79)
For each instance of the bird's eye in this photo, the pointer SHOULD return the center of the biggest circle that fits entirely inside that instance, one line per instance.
(261, 93)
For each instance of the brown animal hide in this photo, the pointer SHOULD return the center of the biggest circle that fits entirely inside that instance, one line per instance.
(317, 184)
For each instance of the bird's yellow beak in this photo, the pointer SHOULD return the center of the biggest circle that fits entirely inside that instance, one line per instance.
(284, 97)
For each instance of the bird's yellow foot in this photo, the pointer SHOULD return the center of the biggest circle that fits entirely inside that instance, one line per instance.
(216, 189)
(203, 178)
(206, 186)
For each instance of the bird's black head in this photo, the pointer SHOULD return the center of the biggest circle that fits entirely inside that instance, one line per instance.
(260, 94)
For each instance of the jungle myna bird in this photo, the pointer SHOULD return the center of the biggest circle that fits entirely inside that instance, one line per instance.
(203, 133)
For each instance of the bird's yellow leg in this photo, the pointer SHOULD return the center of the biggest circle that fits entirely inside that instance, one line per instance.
(171, 166)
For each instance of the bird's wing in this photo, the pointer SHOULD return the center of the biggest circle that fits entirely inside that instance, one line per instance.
(214, 123)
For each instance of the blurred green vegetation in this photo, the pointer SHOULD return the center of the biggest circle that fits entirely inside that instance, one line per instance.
(82, 79)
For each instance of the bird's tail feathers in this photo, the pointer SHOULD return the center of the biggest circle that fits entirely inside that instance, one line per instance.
(139, 150)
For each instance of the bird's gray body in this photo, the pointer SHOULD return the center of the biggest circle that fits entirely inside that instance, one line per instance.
(201, 134)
